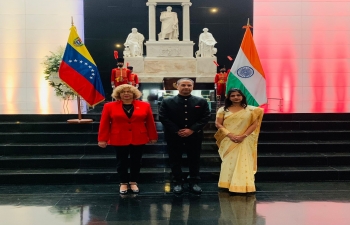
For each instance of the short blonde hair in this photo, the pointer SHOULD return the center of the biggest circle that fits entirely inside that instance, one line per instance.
(116, 92)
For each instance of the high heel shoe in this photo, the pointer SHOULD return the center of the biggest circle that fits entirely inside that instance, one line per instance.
(122, 189)
(134, 188)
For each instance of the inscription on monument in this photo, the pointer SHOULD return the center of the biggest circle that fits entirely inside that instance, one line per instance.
(169, 51)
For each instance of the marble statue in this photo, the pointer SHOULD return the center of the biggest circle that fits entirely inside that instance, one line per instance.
(170, 25)
(134, 44)
(206, 44)
(126, 51)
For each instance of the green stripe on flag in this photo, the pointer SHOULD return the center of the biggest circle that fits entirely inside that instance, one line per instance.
(234, 82)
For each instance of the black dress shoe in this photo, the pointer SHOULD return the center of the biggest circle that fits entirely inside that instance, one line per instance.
(194, 188)
(178, 189)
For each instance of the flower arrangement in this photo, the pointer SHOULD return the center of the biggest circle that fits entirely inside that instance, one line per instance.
(52, 63)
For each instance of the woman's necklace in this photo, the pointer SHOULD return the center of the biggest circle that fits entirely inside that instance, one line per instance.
(128, 110)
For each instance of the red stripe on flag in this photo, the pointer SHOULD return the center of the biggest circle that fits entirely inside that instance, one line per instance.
(216, 63)
(229, 58)
(80, 84)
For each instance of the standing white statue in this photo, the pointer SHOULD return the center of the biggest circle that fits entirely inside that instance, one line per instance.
(170, 25)
(134, 44)
(206, 44)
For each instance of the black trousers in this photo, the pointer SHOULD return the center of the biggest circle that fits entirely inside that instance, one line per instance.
(123, 163)
(192, 147)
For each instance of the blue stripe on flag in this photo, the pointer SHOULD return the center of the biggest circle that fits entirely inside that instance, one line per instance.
(83, 66)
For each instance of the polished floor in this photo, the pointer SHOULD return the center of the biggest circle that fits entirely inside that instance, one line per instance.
(307, 203)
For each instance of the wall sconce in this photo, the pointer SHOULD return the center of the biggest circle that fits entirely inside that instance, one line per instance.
(213, 10)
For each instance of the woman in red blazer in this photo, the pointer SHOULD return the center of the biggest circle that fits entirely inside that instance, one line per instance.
(127, 124)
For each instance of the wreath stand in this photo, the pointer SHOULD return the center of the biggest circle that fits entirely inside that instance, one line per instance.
(79, 120)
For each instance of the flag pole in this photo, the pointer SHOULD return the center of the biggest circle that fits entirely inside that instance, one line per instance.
(79, 120)
(79, 107)
(248, 25)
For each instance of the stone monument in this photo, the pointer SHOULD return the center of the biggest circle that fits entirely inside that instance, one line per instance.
(171, 55)
(134, 44)
(170, 25)
(206, 44)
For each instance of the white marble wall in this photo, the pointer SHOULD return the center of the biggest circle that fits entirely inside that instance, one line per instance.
(29, 30)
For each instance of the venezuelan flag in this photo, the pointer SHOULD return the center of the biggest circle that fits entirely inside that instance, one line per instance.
(247, 73)
(79, 71)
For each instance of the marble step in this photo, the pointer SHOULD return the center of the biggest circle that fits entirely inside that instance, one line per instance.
(96, 117)
(264, 147)
(49, 127)
(162, 175)
(161, 160)
(91, 137)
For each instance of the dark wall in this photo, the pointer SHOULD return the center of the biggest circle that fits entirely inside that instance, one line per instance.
(108, 22)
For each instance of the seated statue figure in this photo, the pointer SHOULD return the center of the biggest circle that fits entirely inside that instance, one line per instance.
(206, 44)
(134, 43)
(170, 25)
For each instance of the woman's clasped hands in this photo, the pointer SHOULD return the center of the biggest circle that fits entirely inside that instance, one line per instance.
(236, 138)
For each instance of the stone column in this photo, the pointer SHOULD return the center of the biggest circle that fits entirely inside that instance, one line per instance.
(186, 20)
(151, 21)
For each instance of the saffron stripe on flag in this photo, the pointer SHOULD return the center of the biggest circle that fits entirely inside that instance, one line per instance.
(246, 72)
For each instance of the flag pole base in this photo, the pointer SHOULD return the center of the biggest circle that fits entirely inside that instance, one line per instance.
(80, 121)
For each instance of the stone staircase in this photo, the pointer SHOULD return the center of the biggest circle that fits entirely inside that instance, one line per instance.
(45, 149)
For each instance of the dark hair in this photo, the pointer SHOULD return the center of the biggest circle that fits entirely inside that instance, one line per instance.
(228, 102)
(184, 79)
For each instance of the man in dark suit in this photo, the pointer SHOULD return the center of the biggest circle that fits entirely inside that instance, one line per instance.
(184, 117)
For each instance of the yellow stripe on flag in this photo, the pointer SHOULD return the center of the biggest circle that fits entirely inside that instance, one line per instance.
(75, 41)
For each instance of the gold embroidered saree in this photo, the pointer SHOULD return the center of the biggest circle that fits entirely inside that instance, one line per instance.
(239, 160)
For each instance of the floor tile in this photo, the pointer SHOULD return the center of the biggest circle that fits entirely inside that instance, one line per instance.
(287, 203)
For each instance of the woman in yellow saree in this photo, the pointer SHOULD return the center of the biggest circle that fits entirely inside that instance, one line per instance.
(237, 138)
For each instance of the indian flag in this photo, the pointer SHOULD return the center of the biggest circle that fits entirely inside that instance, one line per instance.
(247, 73)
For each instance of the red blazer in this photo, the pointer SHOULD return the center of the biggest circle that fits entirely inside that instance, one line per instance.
(118, 129)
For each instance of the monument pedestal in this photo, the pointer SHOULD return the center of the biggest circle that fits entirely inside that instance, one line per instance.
(206, 69)
(168, 48)
(167, 58)
(136, 62)
(155, 68)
